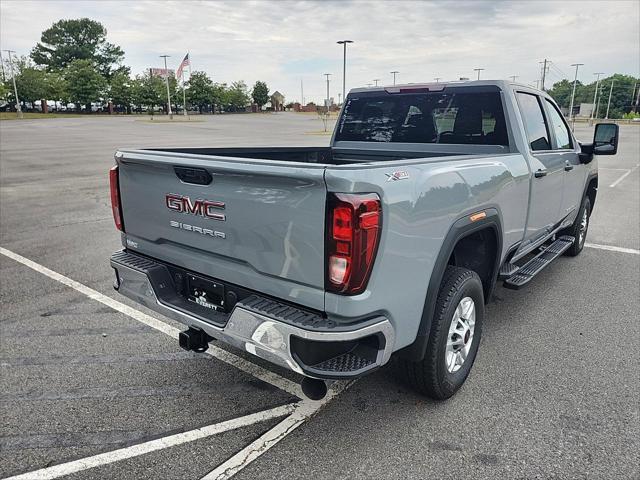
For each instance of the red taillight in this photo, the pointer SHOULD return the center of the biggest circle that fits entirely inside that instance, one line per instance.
(115, 198)
(352, 240)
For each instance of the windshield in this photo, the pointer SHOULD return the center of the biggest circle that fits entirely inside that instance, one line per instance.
(434, 117)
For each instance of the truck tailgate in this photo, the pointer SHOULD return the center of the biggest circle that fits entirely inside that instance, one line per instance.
(259, 224)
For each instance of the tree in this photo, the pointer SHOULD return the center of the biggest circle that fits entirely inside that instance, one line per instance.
(260, 93)
(4, 91)
(31, 84)
(56, 87)
(561, 92)
(620, 96)
(120, 90)
(147, 91)
(80, 39)
(220, 95)
(236, 96)
(84, 83)
(200, 90)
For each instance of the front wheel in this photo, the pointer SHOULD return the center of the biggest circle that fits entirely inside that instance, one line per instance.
(579, 228)
(454, 338)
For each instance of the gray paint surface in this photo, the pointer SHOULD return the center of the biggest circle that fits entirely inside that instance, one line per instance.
(276, 213)
(273, 229)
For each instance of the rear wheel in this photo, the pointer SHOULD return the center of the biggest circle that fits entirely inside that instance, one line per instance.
(579, 228)
(454, 338)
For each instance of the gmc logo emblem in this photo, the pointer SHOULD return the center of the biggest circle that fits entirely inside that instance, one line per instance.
(202, 208)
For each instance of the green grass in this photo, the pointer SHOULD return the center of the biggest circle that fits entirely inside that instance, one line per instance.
(32, 115)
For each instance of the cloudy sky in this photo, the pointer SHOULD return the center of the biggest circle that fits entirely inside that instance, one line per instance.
(284, 41)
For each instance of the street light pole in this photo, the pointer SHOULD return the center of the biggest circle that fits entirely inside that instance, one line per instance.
(609, 102)
(595, 94)
(394, 76)
(543, 75)
(376, 80)
(166, 79)
(15, 89)
(4, 79)
(327, 102)
(344, 65)
(598, 101)
(573, 93)
(478, 70)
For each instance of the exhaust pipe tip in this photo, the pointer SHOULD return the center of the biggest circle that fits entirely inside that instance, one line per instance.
(313, 388)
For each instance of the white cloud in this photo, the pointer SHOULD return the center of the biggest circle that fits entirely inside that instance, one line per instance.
(283, 41)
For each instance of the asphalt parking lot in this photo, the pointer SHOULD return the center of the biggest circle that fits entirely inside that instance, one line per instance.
(92, 388)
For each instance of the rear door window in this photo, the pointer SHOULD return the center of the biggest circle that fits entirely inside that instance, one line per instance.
(534, 121)
(563, 137)
(431, 117)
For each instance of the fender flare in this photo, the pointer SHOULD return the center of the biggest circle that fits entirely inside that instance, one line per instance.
(590, 178)
(460, 229)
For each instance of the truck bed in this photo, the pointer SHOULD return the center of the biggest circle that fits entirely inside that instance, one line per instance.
(318, 155)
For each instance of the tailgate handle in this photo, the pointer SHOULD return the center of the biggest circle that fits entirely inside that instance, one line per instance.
(199, 176)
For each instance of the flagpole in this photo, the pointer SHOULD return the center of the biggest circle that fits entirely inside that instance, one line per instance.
(184, 95)
(184, 91)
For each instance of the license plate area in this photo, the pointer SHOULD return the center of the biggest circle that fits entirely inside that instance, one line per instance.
(206, 293)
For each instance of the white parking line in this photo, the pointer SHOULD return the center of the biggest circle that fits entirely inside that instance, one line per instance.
(623, 176)
(611, 248)
(216, 352)
(302, 411)
(305, 410)
(147, 447)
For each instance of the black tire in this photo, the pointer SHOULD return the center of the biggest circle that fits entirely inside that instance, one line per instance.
(576, 230)
(430, 376)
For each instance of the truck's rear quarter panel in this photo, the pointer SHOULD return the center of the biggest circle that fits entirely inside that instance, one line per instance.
(417, 215)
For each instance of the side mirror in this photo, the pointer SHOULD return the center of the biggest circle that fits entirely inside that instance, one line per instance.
(605, 139)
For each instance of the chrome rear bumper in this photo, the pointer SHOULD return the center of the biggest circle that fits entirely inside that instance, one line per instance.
(262, 334)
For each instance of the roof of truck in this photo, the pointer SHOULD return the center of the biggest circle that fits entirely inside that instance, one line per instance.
(436, 86)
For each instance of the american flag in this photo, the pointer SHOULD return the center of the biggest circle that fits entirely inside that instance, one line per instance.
(184, 63)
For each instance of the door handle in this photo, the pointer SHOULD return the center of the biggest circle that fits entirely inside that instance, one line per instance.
(540, 173)
(568, 167)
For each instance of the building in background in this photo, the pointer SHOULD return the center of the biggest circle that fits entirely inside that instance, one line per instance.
(585, 110)
(277, 101)
(161, 72)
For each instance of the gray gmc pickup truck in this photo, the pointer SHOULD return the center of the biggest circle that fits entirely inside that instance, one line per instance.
(327, 261)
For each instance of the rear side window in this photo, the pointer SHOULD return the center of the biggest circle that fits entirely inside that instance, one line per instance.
(432, 117)
(563, 137)
(534, 122)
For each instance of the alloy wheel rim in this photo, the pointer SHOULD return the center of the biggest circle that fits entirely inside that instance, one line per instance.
(461, 333)
(584, 223)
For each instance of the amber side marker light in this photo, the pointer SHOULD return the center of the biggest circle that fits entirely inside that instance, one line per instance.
(478, 216)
